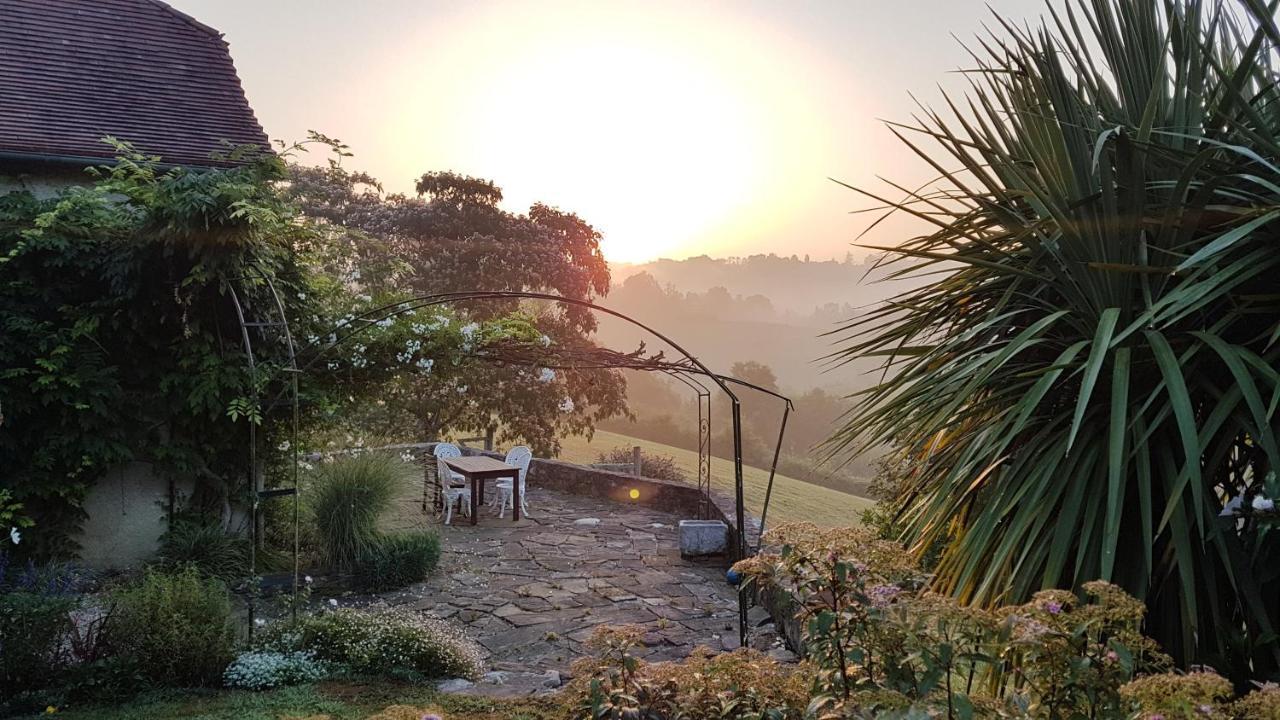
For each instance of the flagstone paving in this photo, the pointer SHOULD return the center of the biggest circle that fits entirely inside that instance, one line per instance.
(532, 592)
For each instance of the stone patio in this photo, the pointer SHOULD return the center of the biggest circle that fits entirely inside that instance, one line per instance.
(532, 592)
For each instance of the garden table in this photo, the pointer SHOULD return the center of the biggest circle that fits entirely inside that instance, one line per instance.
(477, 469)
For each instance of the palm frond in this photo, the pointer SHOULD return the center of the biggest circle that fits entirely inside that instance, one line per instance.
(1098, 374)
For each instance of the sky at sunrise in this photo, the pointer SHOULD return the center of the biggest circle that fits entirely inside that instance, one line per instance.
(676, 128)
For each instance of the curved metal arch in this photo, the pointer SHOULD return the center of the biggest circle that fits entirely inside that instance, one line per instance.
(704, 439)
(670, 368)
(256, 489)
(370, 317)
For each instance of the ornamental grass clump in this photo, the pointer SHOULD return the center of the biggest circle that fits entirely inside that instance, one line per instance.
(393, 642)
(397, 560)
(347, 498)
(206, 546)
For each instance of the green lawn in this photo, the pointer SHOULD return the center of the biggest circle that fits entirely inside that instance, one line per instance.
(371, 699)
(793, 500)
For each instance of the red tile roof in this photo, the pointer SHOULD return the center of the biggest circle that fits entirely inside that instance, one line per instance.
(74, 71)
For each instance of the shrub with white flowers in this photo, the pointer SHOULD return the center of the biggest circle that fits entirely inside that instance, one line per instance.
(393, 642)
(263, 669)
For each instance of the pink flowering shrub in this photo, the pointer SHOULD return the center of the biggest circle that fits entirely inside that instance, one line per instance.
(741, 685)
(881, 643)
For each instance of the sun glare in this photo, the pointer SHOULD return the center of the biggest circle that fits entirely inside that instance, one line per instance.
(656, 129)
(658, 148)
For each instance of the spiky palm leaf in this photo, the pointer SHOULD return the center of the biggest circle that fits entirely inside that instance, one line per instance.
(1096, 371)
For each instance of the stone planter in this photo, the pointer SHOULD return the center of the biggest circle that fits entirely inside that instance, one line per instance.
(700, 538)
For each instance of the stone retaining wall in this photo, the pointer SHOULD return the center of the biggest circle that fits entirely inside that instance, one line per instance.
(784, 609)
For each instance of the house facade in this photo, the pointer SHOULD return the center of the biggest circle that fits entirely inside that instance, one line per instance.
(72, 73)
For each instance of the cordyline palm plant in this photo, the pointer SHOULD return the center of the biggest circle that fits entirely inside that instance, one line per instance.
(1090, 373)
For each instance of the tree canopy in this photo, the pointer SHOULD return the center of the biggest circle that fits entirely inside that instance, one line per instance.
(453, 236)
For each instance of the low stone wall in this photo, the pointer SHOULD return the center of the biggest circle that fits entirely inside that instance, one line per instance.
(785, 610)
(670, 496)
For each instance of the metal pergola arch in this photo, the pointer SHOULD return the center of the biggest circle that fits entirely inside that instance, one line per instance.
(687, 372)
(256, 490)
(704, 438)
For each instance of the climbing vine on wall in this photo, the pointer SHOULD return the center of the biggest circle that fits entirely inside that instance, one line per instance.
(117, 339)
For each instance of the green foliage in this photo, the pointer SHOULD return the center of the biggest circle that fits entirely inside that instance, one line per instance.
(402, 246)
(395, 643)
(33, 628)
(398, 560)
(1089, 378)
(12, 519)
(52, 646)
(652, 465)
(346, 497)
(208, 548)
(177, 627)
(117, 339)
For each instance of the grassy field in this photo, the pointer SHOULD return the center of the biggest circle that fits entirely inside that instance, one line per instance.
(793, 500)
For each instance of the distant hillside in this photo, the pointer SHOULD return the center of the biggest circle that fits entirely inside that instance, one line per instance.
(765, 308)
(794, 285)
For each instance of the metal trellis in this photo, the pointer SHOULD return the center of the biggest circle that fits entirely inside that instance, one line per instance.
(257, 485)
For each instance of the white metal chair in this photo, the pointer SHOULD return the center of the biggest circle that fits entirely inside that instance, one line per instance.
(448, 450)
(520, 457)
(453, 486)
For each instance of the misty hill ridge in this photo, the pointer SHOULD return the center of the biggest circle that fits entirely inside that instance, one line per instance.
(796, 287)
(765, 308)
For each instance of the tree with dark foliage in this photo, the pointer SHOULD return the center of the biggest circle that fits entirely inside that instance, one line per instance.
(453, 236)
